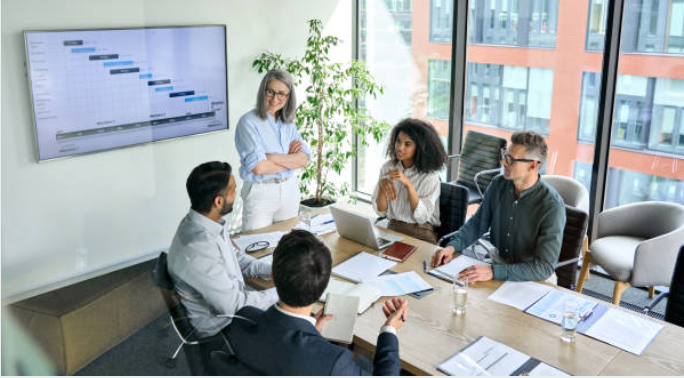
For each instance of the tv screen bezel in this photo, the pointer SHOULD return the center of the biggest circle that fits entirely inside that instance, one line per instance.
(27, 67)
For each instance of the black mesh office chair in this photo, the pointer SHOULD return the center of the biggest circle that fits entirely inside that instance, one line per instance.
(674, 312)
(453, 205)
(481, 152)
(576, 223)
(197, 349)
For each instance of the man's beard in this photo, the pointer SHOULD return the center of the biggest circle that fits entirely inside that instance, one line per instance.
(227, 208)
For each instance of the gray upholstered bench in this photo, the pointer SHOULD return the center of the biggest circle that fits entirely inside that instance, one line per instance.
(78, 323)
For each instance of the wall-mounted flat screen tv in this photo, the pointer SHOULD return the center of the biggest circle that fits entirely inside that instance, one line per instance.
(96, 90)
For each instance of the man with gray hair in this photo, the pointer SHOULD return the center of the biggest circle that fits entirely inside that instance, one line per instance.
(524, 215)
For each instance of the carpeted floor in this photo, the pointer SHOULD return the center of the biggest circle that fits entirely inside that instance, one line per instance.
(147, 351)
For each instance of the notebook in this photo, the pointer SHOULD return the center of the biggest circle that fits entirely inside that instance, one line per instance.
(366, 293)
(343, 308)
(398, 251)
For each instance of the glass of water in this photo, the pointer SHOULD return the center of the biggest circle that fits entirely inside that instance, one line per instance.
(570, 320)
(305, 216)
(460, 293)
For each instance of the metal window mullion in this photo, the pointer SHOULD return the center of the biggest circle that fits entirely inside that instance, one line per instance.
(356, 14)
(459, 47)
(606, 105)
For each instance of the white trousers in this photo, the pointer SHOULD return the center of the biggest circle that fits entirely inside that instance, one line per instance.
(267, 203)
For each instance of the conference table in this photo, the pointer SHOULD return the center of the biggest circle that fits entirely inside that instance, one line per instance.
(432, 333)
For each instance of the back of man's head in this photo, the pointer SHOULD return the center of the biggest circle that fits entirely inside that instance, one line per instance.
(205, 182)
(535, 145)
(301, 268)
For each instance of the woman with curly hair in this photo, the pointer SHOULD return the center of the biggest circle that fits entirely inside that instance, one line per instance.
(408, 188)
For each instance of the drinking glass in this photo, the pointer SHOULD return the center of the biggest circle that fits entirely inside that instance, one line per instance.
(460, 293)
(570, 320)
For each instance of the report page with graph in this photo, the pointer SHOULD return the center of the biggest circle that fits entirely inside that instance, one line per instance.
(96, 90)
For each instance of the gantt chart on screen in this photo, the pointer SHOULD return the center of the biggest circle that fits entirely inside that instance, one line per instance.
(103, 89)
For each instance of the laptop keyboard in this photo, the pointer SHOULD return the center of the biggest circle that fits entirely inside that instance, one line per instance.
(382, 241)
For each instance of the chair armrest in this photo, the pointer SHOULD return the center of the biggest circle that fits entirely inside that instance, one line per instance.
(484, 172)
(566, 262)
(655, 259)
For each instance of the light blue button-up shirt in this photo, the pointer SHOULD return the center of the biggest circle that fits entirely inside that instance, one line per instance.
(207, 272)
(256, 137)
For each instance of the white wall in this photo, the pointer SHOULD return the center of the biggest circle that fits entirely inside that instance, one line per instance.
(70, 219)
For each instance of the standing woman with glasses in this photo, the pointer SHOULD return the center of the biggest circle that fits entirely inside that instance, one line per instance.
(408, 189)
(270, 149)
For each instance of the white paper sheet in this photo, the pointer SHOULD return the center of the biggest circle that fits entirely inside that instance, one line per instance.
(484, 357)
(399, 284)
(336, 287)
(362, 267)
(520, 295)
(341, 327)
(544, 370)
(455, 266)
(271, 237)
(624, 330)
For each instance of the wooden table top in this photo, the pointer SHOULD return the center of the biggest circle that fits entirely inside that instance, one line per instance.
(432, 333)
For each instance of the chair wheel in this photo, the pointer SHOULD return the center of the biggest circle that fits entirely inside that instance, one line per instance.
(170, 363)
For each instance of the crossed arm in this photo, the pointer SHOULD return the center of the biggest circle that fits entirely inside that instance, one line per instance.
(276, 163)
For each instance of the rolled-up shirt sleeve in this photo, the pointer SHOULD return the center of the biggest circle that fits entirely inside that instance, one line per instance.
(252, 267)
(297, 136)
(428, 193)
(248, 144)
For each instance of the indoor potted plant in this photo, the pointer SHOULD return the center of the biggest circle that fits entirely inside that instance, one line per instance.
(328, 116)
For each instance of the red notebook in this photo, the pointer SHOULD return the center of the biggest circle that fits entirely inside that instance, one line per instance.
(398, 251)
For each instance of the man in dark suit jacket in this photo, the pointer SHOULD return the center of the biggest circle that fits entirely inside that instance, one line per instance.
(286, 340)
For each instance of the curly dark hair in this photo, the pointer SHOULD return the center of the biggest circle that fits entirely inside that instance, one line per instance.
(430, 155)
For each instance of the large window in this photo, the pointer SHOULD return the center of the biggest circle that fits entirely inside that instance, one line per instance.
(549, 83)
(399, 48)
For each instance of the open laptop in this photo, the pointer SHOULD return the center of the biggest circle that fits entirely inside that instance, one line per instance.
(360, 229)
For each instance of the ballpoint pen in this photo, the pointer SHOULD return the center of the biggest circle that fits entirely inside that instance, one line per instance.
(424, 266)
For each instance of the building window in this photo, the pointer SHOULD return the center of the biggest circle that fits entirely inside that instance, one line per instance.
(509, 97)
(650, 26)
(439, 87)
(527, 23)
(648, 114)
(626, 186)
(441, 16)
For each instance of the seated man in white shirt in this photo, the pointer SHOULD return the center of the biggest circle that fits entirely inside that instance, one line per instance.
(207, 271)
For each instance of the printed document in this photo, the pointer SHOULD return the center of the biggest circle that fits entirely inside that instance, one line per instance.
(399, 284)
(267, 239)
(520, 295)
(624, 330)
(455, 266)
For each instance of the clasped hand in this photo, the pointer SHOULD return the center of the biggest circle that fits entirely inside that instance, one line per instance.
(387, 183)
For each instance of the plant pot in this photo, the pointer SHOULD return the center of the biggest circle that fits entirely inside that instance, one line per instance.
(311, 203)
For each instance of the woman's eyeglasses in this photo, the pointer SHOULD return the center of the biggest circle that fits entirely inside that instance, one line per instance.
(280, 95)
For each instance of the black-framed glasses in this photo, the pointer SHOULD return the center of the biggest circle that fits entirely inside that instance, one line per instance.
(281, 95)
(510, 160)
(257, 246)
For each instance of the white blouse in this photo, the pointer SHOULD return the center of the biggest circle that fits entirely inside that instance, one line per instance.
(427, 186)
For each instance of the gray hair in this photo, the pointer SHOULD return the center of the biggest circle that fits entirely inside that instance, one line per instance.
(535, 145)
(287, 113)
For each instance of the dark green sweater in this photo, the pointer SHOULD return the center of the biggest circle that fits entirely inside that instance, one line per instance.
(527, 231)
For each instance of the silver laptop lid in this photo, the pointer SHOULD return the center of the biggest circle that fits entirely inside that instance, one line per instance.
(357, 227)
